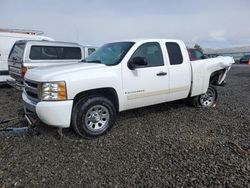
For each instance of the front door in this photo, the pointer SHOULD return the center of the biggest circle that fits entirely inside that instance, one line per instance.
(149, 84)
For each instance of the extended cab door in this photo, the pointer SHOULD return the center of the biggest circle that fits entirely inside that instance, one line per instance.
(149, 84)
(179, 69)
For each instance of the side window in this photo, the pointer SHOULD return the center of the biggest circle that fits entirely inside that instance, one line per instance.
(152, 52)
(69, 53)
(54, 52)
(198, 54)
(49, 53)
(90, 50)
(174, 53)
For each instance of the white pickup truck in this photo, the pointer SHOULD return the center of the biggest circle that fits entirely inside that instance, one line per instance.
(121, 76)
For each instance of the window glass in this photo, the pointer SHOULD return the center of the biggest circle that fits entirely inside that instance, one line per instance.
(198, 54)
(16, 53)
(174, 53)
(48, 53)
(91, 50)
(109, 54)
(151, 51)
(54, 52)
(195, 54)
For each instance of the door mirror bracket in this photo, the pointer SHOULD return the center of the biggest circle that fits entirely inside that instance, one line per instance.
(137, 62)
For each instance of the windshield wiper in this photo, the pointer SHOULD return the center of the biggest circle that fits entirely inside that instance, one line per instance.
(93, 61)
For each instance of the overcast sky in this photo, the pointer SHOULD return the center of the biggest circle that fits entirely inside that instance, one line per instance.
(211, 23)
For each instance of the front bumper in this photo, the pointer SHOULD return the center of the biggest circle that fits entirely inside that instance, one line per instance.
(53, 113)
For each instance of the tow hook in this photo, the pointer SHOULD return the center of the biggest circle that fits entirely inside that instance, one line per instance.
(223, 84)
(28, 119)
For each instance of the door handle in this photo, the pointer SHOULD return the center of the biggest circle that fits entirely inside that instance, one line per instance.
(161, 74)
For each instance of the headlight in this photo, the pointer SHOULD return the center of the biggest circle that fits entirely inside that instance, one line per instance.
(54, 91)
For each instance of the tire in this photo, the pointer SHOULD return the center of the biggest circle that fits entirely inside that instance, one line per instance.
(93, 116)
(206, 100)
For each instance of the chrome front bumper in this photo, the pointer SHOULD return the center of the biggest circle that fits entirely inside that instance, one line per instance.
(29, 106)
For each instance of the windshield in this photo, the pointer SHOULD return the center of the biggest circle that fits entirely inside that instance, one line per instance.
(109, 54)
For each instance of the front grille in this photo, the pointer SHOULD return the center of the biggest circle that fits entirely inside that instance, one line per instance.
(31, 84)
(33, 95)
(32, 90)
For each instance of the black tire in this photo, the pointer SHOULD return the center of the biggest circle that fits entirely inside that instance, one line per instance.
(206, 100)
(86, 126)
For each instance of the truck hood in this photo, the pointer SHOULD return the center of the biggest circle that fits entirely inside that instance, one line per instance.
(47, 73)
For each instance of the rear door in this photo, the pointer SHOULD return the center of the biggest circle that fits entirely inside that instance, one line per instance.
(179, 70)
(6, 43)
(16, 59)
(146, 85)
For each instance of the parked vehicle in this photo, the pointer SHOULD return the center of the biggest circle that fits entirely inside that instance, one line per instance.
(7, 40)
(195, 54)
(26, 55)
(244, 59)
(120, 76)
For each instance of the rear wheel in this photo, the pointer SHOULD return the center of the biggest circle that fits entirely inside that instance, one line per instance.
(93, 116)
(206, 100)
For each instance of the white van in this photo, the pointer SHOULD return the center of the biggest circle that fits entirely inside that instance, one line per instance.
(7, 40)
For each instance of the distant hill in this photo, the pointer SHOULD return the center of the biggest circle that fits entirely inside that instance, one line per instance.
(227, 50)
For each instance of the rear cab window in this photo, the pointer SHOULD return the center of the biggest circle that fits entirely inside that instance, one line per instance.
(54, 53)
(174, 53)
(17, 52)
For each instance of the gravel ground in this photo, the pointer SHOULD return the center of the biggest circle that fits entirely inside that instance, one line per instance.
(171, 144)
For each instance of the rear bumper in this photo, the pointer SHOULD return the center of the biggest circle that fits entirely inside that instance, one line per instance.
(54, 113)
(19, 86)
(4, 78)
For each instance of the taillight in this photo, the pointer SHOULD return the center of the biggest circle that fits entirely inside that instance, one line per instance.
(24, 70)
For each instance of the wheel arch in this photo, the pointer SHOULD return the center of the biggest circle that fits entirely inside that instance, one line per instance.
(108, 92)
(217, 77)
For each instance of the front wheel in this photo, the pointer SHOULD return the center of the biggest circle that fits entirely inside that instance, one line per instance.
(93, 116)
(206, 100)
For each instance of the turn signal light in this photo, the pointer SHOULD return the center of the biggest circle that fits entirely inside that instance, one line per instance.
(24, 70)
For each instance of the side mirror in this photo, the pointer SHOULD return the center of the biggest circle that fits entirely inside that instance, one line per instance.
(204, 57)
(137, 62)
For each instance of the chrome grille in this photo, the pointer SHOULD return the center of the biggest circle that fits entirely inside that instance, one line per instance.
(32, 90)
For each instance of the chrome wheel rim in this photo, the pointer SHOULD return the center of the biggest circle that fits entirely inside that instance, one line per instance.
(208, 98)
(97, 118)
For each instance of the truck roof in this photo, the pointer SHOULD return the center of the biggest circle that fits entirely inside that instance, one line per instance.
(149, 40)
(22, 31)
(49, 43)
(24, 36)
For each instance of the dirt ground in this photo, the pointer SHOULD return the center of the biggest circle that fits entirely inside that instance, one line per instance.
(171, 144)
